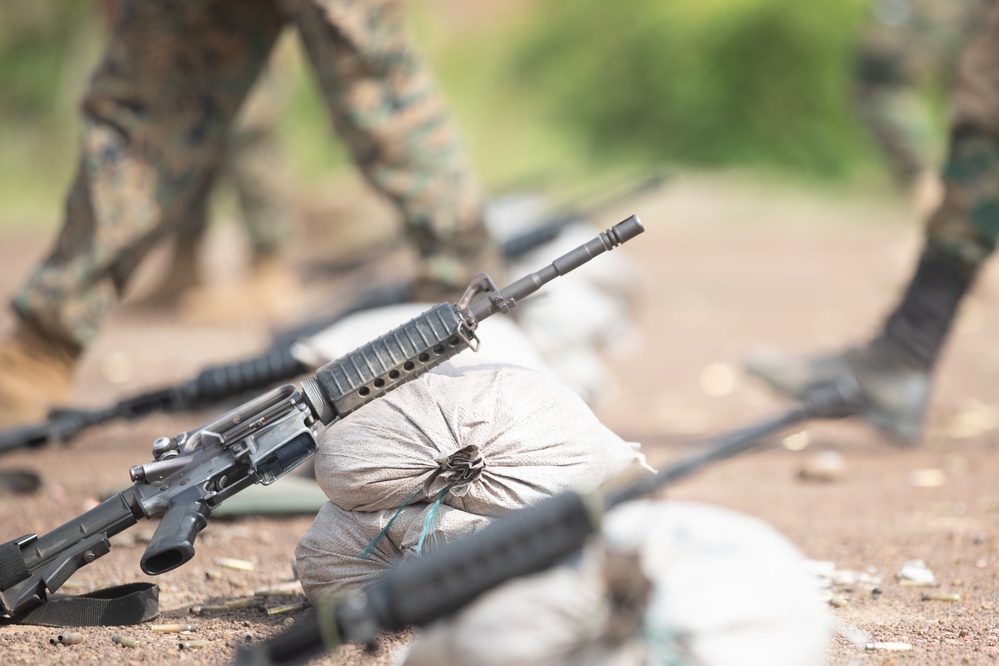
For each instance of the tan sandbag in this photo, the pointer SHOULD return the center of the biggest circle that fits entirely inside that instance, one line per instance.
(485, 439)
(343, 550)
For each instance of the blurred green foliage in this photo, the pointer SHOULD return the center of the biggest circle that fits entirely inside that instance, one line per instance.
(47, 48)
(512, 141)
(707, 82)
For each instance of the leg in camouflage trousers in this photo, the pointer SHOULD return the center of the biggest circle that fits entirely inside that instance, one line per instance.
(255, 166)
(888, 380)
(907, 55)
(156, 117)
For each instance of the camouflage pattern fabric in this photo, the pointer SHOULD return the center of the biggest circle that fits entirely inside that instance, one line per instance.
(255, 165)
(908, 52)
(966, 225)
(158, 112)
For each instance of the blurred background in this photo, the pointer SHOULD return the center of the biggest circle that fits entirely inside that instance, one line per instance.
(781, 222)
(550, 95)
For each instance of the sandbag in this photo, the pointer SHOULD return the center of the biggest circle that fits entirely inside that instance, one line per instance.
(484, 439)
(347, 549)
(676, 583)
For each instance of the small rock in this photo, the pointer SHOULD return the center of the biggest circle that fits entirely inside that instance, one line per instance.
(718, 380)
(824, 466)
(927, 478)
(796, 441)
(914, 573)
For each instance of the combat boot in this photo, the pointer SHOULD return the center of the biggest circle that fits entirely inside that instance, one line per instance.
(881, 387)
(36, 374)
(887, 381)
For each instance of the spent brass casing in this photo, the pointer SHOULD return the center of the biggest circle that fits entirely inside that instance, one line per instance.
(68, 639)
(245, 602)
(286, 608)
(233, 563)
(126, 641)
(279, 591)
(172, 628)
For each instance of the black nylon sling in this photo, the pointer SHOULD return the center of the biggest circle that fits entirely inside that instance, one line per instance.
(132, 603)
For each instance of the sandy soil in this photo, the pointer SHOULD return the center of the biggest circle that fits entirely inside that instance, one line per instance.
(728, 263)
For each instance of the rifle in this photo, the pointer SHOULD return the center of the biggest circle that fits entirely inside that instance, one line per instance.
(421, 590)
(211, 386)
(277, 363)
(260, 441)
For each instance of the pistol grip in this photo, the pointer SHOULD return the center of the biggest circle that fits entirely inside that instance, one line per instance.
(173, 542)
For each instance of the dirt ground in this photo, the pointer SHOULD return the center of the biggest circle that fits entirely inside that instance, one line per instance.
(728, 263)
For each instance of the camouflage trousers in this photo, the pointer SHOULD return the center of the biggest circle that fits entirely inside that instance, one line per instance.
(158, 111)
(966, 224)
(255, 165)
(906, 57)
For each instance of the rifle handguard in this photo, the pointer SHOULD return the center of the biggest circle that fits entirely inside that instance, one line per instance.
(351, 381)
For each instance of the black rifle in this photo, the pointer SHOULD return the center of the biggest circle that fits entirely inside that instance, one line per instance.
(421, 590)
(276, 364)
(261, 440)
(211, 386)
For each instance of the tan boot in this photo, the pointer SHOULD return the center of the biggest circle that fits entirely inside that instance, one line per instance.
(36, 374)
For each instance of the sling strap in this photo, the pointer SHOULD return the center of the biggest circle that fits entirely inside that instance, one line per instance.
(127, 604)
